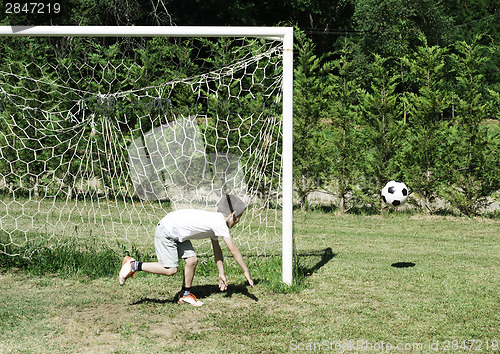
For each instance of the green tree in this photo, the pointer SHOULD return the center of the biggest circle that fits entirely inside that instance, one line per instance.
(310, 102)
(421, 158)
(382, 127)
(340, 148)
(391, 27)
(473, 161)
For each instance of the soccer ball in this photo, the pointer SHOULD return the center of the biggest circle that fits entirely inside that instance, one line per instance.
(395, 193)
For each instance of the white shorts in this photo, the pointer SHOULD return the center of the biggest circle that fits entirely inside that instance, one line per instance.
(168, 250)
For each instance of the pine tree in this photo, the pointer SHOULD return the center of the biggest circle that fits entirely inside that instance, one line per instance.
(309, 102)
(427, 131)
(470, 178)
(340, 135)
(382, 128)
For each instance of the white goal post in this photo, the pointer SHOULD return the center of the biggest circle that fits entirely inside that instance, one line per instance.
(284, 34)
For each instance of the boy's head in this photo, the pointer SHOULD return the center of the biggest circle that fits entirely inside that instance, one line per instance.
(230, 203)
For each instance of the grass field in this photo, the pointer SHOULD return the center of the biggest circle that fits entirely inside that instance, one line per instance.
(372, 283)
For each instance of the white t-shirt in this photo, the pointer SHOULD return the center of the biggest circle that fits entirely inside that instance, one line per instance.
(189, 224)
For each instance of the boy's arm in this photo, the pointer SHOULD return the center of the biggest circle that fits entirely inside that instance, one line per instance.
(219, 260)
(239, 259)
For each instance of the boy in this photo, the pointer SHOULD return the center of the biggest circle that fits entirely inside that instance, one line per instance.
(172, 241)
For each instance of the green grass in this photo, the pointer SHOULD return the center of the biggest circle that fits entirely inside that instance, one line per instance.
(94, 261)
(349, 293)
(66, 260)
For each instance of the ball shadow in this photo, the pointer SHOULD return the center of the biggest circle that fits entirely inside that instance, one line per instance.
(403, 265)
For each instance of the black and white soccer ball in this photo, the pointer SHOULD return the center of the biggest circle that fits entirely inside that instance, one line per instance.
(395, 193)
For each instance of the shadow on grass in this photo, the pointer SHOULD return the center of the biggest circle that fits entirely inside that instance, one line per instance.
(268, 274)
(148, 300)
(311, 262)
(204, 291)
(403, 265)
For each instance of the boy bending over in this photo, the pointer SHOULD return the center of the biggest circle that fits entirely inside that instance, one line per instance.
(173, 237)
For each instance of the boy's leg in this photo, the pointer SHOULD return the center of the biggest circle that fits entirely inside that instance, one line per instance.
(158, 268)
(130, 266)
(186, 251)
(166, 252)
(189, 271)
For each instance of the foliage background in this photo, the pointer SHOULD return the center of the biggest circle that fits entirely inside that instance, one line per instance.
(389, 89)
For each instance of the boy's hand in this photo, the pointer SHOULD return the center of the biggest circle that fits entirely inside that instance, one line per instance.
(249, 278)
(222, 282)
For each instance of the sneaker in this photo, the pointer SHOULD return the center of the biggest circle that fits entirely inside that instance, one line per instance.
(126, 270)
(190, 299)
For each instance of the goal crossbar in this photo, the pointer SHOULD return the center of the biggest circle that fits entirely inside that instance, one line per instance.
(277, 33)
(147, 31)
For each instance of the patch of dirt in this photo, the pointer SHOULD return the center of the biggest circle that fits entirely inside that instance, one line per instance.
(112, 327)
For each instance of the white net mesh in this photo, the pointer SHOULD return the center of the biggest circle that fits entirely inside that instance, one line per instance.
(101, 137)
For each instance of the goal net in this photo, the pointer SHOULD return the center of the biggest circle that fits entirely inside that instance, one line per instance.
(101, 136)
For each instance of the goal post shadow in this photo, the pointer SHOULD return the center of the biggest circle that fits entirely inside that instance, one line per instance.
(307, 263)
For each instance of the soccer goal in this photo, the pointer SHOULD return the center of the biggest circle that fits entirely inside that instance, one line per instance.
(103, 130)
